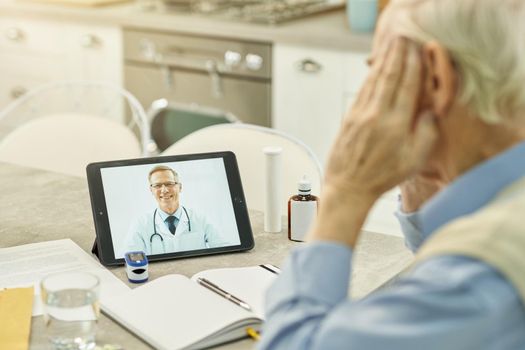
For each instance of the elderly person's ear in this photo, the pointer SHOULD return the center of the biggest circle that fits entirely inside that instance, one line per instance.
(440, 78)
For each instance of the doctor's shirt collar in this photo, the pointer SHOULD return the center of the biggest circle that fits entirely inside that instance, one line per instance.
(163, 215)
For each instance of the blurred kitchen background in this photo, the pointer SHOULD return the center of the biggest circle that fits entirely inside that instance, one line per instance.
(293, 65)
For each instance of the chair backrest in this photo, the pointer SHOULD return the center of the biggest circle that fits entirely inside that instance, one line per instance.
(247, 142)
(66, 143)
(89, 98)
(171, 121)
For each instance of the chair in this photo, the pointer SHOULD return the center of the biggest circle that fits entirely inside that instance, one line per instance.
(67, 143)
(171, 121)
(64, 126)
(96, 99)
(247, 142)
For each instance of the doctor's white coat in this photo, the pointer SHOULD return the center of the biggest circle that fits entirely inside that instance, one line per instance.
(202, 235)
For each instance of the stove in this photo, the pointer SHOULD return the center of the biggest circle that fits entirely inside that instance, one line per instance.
(256, 11)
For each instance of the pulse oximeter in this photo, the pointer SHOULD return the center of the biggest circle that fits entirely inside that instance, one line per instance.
(136, 266)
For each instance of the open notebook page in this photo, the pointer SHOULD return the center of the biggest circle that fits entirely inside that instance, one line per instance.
(246, 283)
(173, 312)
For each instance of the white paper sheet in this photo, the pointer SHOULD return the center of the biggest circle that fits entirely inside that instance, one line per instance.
(27, 264)
(246, 283)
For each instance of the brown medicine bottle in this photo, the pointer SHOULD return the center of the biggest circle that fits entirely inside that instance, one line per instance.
(302, 210)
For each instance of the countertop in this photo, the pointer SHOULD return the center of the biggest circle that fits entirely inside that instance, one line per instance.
(328, 30)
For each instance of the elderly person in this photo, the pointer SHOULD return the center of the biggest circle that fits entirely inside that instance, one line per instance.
(442, 114)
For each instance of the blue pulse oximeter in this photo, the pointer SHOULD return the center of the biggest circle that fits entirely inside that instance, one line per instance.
(136, 266)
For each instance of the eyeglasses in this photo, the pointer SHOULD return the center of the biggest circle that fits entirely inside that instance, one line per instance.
(169, 185)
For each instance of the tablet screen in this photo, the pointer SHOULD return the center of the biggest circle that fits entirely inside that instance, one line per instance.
(168, 206)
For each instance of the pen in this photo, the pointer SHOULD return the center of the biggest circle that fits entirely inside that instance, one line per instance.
(253, 333)
(214, 288)
(271, 268)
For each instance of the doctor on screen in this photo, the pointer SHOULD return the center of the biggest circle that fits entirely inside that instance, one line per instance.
(171, 227)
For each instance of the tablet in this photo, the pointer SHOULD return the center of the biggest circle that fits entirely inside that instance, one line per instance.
(169, 207)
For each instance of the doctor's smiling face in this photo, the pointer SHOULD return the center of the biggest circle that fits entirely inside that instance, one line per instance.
(166, 188)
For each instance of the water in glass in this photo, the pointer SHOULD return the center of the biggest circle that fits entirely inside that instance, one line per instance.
(70, 316)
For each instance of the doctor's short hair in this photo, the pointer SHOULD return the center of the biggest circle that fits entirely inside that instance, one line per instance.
(162, 168)
(485, 39)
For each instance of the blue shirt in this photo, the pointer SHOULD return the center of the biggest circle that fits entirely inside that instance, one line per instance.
(446, 302)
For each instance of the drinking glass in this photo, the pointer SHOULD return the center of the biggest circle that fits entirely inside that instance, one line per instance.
(71, 309)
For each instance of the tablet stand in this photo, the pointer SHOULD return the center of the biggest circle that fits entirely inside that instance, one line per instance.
(94, 250)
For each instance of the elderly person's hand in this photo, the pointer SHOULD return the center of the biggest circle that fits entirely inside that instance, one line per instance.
(382, 142)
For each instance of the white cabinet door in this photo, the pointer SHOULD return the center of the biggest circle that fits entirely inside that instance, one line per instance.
(95, 53)
(312, 89)
(19, 35)
(33, 52)
(308, 94)
(355, 72)
(37, 69)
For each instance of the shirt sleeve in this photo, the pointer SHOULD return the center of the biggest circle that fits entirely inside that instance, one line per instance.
(437, 305)
(410, 227)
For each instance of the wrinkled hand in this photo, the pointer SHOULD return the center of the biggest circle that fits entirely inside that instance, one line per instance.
(379, 145)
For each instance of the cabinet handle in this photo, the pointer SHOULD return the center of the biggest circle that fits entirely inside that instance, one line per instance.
(148, 49)
(232, 58)
(216, 81)
(14, 34)
(17, 92)
(308, 65)
(89, 41)
(253, 62)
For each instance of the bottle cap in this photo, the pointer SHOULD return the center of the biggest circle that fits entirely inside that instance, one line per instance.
(272, 150)
(304, 186)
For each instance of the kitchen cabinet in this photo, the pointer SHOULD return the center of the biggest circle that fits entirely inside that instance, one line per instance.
(95, 53)
(33, 52)
(312, 90)
(355, 71)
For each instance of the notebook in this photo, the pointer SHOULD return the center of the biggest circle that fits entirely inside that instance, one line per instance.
(176, 312)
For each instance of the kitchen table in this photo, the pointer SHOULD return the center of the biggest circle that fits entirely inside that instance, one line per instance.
(38, 206)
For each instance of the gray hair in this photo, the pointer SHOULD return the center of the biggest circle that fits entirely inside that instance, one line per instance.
(486, 40)
(162, 168)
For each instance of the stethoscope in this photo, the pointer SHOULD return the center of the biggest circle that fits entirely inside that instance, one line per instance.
(155, 233)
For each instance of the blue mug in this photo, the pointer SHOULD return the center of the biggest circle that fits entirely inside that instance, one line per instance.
(362, 15)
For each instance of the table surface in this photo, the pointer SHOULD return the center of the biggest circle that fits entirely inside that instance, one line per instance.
(59, 207)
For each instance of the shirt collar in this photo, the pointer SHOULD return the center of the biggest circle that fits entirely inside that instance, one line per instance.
(472, 190)
(163, 215)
